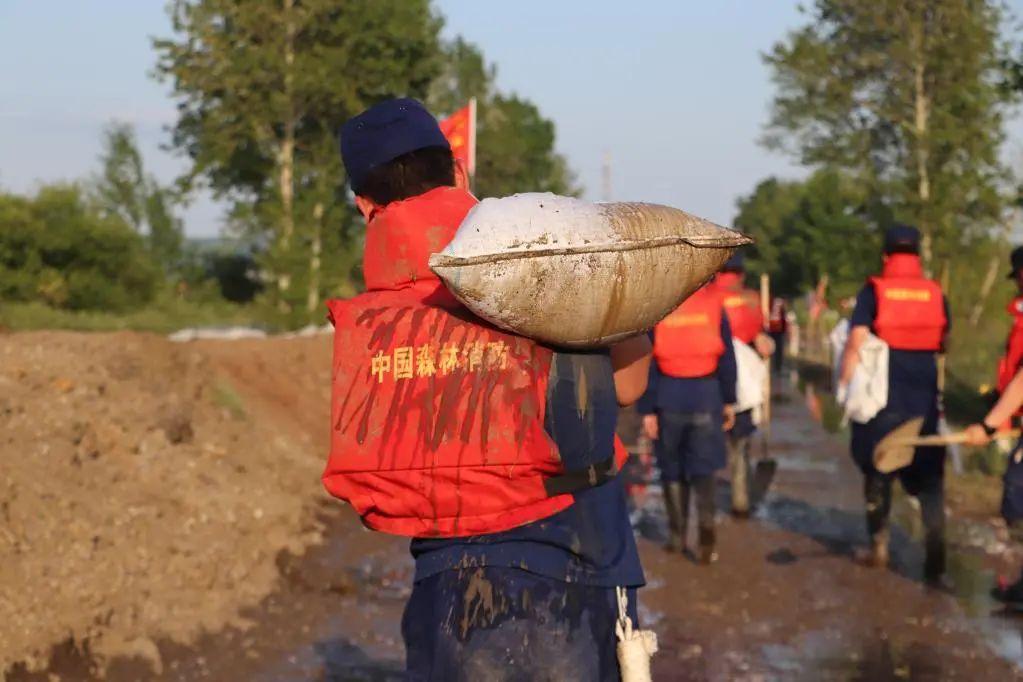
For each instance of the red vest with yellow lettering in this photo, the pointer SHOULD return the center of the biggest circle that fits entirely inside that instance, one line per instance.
(1010, 362)
(910, 308)
(437, 418)
(687, 343)
(742, 306)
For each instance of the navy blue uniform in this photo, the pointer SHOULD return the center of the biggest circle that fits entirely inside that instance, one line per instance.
(539, 597)
(912, 392)
(1012, 490)
(691, 442)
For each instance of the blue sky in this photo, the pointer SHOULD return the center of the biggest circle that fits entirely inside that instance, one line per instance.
(674, 91)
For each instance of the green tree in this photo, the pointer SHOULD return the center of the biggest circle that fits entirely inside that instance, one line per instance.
(262, 87)
(120, 188)
(804, 230)
(58, 249)
(906, 95)
(123, 189)
(514, 141)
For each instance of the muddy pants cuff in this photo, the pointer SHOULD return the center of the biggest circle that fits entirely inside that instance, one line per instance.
(877, 494)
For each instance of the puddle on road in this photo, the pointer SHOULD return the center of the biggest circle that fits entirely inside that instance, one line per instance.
(972, 547)
(829, 655)
(971, 544)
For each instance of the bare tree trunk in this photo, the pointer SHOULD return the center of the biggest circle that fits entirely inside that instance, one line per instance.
(985, 290)
(313, 296)
(991, 275)
(286, 156)
(921, 122)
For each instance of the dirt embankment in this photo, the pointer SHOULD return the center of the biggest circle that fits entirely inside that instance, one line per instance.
(147, 487)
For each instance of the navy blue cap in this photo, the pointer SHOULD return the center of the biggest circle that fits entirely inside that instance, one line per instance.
(384, 132)
(902, 239)
(1016, 260)
(737, 263)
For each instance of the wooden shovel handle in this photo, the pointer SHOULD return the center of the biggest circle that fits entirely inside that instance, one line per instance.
(953, 438)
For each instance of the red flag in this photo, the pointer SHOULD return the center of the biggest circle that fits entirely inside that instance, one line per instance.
(460, 129)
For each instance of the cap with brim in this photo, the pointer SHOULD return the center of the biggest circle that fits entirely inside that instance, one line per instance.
(384, 132)
(901, 239)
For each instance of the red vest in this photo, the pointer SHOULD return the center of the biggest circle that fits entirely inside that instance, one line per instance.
(776, 323)
(1010, 362)
(910, 308)
(687, 343)
(437, 419)
(742, 306)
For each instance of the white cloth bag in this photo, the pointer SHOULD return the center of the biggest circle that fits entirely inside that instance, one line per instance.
(867, 392)
(751, 385)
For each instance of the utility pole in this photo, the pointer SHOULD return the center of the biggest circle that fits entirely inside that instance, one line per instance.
(606, 177)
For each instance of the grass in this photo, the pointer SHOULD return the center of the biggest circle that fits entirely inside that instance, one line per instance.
(224, 396)
(163, 316)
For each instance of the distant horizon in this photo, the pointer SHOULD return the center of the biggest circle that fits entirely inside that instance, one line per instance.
(676, 93)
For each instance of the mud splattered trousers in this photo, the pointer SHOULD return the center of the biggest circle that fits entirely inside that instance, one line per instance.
(877, 491)
(507, 624)
(690, 448)
(924, 479)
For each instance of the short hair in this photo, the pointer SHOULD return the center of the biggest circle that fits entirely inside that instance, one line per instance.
(408, 175)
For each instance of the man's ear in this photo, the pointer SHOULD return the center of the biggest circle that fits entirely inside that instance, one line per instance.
(367, 207)
(461, 175)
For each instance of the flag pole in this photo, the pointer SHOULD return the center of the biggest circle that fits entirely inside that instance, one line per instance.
(765, 309)
(472, 142)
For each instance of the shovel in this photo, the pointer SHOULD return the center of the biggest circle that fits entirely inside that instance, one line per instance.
(896, 450)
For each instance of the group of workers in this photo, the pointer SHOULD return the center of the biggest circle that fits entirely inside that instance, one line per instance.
(497, 455)
(692, 408)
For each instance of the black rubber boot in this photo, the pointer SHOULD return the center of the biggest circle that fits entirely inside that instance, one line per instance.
(708, 540)
(934, 561)
(676, 518)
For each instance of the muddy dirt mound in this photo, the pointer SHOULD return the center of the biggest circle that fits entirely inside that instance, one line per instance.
(146, 486)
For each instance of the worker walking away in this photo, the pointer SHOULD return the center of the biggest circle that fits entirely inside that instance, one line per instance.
(746, 320)
(1005, 411)
(778, 328)
(494, 453)
(688, 406)
(910, 314)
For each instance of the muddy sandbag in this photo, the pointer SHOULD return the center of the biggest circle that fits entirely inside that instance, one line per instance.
(579, 274)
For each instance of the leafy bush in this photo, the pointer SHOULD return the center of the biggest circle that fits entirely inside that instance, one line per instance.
(57, 249)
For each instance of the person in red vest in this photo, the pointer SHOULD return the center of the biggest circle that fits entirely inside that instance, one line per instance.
(742, 306)
(687, 408)
(1007, 410)
(778, 328)
(909, 313)
(495, 454)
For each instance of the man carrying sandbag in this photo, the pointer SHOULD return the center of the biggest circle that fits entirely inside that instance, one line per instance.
(494, 453)
(909, 313)
(746, 319)
(688, 406)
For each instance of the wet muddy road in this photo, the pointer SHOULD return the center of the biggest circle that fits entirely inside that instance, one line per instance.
(786, 600)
